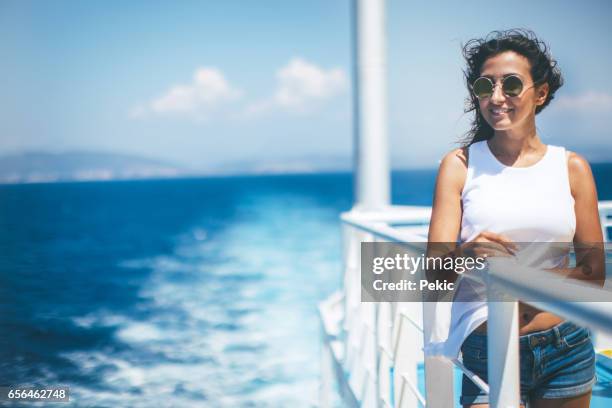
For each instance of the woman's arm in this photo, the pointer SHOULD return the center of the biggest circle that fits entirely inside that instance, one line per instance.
(446, 216)
(588, 238)
(446, 211)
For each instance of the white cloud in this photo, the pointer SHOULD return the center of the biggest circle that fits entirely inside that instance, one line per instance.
(586, 102)
(301, 81)
(208, 90)
(300, 85)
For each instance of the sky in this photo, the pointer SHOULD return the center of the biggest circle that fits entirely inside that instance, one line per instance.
(210, 83)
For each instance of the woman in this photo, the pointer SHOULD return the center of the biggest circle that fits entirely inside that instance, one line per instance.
(506, 186)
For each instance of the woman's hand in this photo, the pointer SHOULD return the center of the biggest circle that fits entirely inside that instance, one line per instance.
(488, 244)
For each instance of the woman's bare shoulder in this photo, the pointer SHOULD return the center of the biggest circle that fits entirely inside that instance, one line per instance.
(579, 170)
(456, 160)
(577, 163)
(457, 157)
(453, 167)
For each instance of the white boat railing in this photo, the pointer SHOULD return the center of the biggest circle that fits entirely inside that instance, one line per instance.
(373, 349)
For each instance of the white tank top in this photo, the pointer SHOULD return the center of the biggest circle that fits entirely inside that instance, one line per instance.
(527, 204)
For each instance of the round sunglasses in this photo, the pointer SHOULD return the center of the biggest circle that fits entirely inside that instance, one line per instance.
(512, 86)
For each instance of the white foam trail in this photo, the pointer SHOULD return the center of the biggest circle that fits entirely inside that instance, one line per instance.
(232, 317)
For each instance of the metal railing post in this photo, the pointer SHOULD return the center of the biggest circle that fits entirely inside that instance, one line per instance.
(503, 354)
(439, 378)
(406, 351)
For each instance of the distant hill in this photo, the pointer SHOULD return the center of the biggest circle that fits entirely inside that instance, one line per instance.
(297, 164)
(43, 167)
(35, 167)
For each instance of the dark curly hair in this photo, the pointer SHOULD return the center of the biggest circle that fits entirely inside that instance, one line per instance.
(524, 42)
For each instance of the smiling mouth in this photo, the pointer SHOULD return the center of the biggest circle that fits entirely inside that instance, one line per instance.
(500, 111)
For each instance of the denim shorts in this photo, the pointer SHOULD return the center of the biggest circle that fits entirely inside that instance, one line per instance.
(555, 363)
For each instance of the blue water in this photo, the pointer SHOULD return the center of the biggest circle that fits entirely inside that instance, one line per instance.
(194, 292)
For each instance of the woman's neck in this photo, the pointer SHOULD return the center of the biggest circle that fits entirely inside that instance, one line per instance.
(514, 144)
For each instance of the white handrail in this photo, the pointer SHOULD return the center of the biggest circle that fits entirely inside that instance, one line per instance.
(563, 297)
(555, 296)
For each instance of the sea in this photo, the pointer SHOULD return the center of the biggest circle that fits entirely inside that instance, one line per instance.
(178, 292)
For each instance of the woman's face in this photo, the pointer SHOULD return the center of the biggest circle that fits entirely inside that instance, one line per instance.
(503, 112)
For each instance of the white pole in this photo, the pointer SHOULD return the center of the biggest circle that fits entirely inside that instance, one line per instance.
(503, 353)
(439, 378)
(372, 179)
